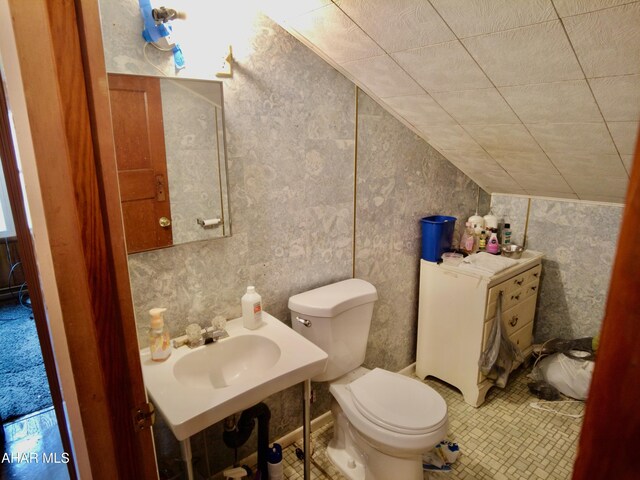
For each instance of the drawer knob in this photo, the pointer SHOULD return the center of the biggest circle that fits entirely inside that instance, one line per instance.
(534, 288)
(536, 274)
(515, 297)
(518, 282)
(514, 321)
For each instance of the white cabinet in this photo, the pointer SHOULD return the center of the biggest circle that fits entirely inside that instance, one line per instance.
(456, 311)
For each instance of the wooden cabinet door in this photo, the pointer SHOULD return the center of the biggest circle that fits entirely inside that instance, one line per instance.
(136, 111)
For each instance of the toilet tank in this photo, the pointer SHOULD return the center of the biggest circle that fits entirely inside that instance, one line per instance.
(336, 318)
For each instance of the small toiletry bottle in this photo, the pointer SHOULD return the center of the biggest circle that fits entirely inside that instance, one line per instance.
(251, 309)
(159, 338)
(482, 243)
(506, 234)
(492, 245)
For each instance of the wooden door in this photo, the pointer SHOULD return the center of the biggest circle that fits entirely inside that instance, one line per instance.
(610, 434)
(138, 131)
(60, 54)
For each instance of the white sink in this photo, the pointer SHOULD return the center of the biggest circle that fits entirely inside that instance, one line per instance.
(195, 388)
(243, 358)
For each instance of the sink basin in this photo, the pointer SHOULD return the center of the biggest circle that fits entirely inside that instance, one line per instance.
(244, 358)
(195, 388)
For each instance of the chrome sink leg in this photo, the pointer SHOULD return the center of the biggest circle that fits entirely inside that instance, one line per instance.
(306, 430)
(185, 449)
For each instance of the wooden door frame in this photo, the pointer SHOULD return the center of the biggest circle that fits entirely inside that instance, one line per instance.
(29, 266)
(61, 58)
(609, 437)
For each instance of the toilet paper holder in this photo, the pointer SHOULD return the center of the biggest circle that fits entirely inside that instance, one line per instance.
(209, 222)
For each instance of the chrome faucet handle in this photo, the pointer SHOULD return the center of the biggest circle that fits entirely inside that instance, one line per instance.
(218, 334)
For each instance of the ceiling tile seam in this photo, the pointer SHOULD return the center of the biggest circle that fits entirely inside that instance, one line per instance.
(592, 11)
(505, 100)
(415, 128)
(388, 54)
(564, 29)
(502, 31)
(457, 123)
(328, 56)
(615, 76)
(559, 199)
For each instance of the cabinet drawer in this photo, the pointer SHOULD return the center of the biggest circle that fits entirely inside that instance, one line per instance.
(530, 289)
(513, 320)
(523, 338)
(518, 316)
(520, 333)
(533, 274)
(509, 300)
(515, 289)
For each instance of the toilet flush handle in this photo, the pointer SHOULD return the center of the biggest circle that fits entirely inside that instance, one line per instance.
(304, 321)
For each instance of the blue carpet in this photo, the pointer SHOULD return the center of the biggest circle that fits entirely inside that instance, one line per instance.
(23, 382)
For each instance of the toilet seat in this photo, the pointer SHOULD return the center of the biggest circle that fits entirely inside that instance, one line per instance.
(398, 403)
(387, 427)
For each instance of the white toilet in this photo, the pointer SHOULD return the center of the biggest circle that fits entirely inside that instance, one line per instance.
(383, 421)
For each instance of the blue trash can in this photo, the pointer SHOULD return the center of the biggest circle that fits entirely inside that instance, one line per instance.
(437, 233)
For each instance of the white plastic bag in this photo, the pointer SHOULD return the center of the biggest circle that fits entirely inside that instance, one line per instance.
(571, 377)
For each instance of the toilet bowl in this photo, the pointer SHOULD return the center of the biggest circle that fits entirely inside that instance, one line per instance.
(383, 421)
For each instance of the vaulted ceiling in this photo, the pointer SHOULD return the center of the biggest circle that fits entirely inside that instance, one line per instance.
(532, 97)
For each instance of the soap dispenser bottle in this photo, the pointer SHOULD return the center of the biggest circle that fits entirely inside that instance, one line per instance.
(251, 309)
(159, 338)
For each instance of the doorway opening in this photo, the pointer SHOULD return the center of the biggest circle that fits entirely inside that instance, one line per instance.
(34, 434)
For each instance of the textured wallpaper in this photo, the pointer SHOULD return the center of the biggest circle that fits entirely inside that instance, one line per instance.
(400, 180)
(290, 131)
(579, 242)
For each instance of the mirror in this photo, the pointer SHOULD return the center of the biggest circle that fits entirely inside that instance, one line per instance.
(171, 158)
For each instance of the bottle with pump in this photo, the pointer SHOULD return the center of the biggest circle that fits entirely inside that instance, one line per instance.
(159, 338)
(251, 309)
(506, 234)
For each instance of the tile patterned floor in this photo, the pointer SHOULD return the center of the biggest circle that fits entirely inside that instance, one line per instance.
(504, 439)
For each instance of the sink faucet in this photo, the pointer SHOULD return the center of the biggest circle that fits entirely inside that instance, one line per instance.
(196, 336)
(216, 335)
(218, 331)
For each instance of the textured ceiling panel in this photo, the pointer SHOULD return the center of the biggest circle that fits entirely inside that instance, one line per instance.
(568, 8)
(444, 67)
(420, 110)
(483, 106)
(533, 54)
(534, 97)
(470, 18)
(607, 42)
(381, 75)
(559, 102)
(618, 97)
(398, 25)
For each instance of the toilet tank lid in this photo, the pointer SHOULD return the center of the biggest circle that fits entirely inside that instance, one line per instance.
(331, 300)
